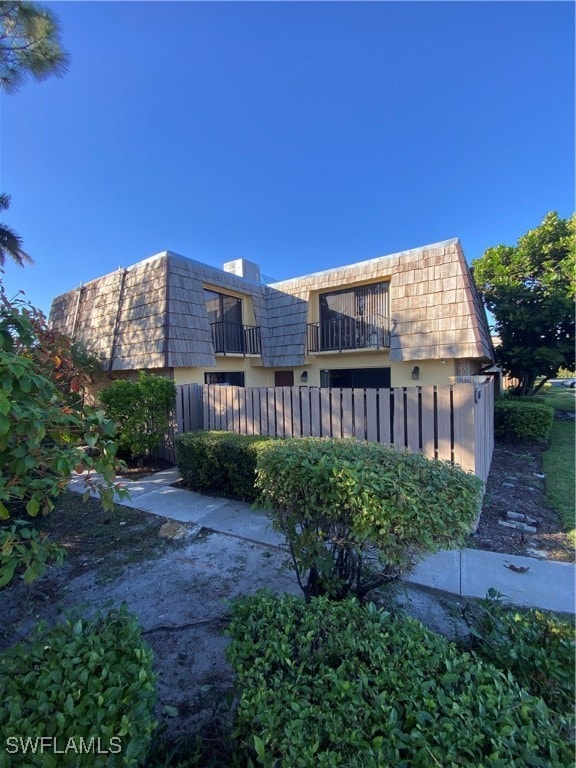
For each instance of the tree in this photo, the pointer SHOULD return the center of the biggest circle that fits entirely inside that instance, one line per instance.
(29, 44)
(530, 290)
(29, 47)
(10, 242)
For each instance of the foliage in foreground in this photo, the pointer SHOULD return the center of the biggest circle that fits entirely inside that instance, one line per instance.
(219, 462)
(338, 684)
(530, 289)
(522, 420)
(537, 647)
(141, 411)
(357, 515)
(88, 679)
(44, 428)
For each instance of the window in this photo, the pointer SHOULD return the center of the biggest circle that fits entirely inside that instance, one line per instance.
(361, 301)
(225, 318)
(232, 378)
(352, 318)
(362, 378)
(223, 308)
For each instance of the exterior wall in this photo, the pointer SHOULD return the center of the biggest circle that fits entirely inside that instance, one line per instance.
(431, 371)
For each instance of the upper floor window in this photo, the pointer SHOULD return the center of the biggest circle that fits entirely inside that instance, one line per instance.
(225, 319)
(223, 308)
(356, 302)
(352, 318)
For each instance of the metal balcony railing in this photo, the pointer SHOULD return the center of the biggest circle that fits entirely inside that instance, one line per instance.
(365, 332)
(236, 339)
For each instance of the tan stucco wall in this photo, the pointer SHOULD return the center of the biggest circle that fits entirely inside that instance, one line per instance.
(431, 371)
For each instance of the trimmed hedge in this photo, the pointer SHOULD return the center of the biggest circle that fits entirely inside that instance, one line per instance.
(337, 684)
(219, 462)
(358, 514)
(522, 420)
(140, 410)
(87, 687)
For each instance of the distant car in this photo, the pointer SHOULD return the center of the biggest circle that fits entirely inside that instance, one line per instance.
(568, 383)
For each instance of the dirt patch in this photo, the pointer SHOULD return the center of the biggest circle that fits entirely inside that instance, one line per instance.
(517, 484)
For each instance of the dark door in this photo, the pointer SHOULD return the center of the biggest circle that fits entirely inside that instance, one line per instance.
(283, 378)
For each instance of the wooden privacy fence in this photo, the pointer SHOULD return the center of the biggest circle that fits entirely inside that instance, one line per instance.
(453, 422)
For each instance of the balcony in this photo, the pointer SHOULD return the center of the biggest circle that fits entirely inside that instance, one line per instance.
(343, 333)
(231, 338)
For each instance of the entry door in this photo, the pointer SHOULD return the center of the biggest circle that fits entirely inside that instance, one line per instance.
(283, 378)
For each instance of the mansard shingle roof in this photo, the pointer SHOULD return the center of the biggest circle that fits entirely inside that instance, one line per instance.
(153, 315)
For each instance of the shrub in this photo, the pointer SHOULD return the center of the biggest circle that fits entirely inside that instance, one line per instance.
(43, 426)
(141, 411)
(221, 462)
(337, 684)
(356, 515)
(83, 679)
(537, 647)
(524, 420)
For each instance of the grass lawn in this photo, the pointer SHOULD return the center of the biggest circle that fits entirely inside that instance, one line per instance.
(559, 459)
(558, 464)
(559, 398)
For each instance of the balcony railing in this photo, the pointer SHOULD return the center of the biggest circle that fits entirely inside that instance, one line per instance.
(236, 339)
(365, 332)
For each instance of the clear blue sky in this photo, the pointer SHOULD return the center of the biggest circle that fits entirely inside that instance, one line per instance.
(301, 136)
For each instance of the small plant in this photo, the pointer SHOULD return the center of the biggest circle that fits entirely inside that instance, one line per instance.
(339, 684)
(219, 462)
(358, 515)
(522, 420)
(24, 549)
(537, 647)
(79, 694)
(141, 411)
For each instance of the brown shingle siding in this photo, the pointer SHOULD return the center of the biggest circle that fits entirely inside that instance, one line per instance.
(158, 307)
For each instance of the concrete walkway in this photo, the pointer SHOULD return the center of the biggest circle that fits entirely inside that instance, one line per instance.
(465, 572)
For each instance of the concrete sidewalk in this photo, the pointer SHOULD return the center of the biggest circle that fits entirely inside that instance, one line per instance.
(465, 572)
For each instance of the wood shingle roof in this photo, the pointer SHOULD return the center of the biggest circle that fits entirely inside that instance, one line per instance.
(153, 315)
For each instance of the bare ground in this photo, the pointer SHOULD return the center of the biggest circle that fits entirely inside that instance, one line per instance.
(517, 483)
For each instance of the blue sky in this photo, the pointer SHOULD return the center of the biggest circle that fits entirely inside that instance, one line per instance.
(301, 136)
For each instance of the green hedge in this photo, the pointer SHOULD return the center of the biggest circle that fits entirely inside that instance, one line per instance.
(537, 647)
(524, 420)
(140, 410)
(87, 687)
(335, 684)
(219, 462)
(358, 514)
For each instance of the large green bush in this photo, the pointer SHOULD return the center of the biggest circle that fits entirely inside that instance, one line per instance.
(537, 647)
(522, 420)
(337, 684)
(141, 411)
(219, 462)
(44, 426)
(84, 679)
(356, 515)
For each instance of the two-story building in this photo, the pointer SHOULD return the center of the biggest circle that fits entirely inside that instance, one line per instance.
(411, 317)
